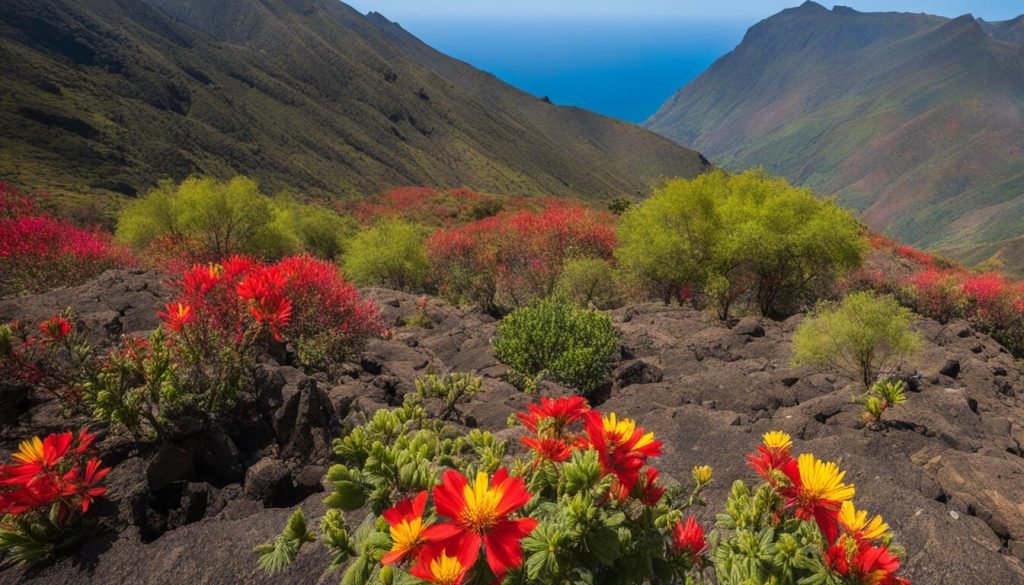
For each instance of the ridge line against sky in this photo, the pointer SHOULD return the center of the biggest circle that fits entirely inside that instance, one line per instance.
(617, 58)
(751, 10)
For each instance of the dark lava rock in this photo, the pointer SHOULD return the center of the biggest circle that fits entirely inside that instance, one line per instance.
(266, 479)
(951, 369)
(636, 372)
(168, 465)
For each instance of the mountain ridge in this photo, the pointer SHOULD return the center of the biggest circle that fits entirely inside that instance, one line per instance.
(916, 121)
(310, 96)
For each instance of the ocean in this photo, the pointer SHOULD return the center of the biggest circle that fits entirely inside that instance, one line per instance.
(624, 68)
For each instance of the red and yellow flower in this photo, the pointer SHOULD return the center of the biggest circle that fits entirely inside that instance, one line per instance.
(773, 460)
(817, 493)
(176, 315)
(622, 447)
(407, 527)
(480, 516)
(435, 565)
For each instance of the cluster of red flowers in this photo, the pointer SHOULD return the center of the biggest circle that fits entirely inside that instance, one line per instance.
(518, 255)
(23, 353)
(39, 251)
(480, 512)
(53, 477)
(813, 490)
(297, 296)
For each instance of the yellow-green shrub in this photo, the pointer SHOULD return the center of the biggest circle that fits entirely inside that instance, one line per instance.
(389, 254)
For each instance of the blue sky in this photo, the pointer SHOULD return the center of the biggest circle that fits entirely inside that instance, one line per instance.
(698, 9)
(619, 58)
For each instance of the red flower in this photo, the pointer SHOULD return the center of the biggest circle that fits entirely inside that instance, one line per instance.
(554, 414)
(479, 515)
(86, 485)
(817, 493)
(622, 446)
(862, 562)
(269, 305)
(55, 328)
(555, 450)
(176, 315)
(688, 539)
(772, 457)
(650, 491)
(435, 565)
(407, 527)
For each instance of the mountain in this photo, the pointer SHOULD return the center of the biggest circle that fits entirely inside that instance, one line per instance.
(916, 121)
(109, 96)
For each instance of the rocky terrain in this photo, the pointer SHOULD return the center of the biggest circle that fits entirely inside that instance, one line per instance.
(945, 470)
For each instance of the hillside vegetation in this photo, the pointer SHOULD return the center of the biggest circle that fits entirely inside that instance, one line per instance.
(308, 96)
(915, 121)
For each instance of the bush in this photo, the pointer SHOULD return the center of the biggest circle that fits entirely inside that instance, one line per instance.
(552, 337)
(45, 493)
(590, 282)
(739, 238)
(39, 252)
(515, 257)
(791, 530)
(205, 353)
(313, 229)
(861, 337)
(389, 254)
(586, 505)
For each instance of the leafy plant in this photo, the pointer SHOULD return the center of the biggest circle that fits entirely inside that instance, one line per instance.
(800, 526)
(590, 282)
(861, 337)
(552, 337)
(388, 254)
(452, 389)
(882, 395)
(45, 493)
(585, 506)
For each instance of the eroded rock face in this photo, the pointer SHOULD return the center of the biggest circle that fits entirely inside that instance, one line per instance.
(946, 471)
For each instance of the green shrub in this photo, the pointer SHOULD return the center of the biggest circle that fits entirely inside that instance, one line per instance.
(861, 337)
(552, 337)
(389, 254)
(746, 238)
(312, 228)
(451, 389)
(883, 395)
(590, 282)
(221, 218)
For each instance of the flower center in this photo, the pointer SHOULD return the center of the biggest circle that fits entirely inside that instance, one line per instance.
(407, 534)
(445, 569)
(482, 501)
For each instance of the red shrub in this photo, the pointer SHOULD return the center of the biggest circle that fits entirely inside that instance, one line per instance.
(299, 298)
(515, 256)
(40, 252)
(937, 294)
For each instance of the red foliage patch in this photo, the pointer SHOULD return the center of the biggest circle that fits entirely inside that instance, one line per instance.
(39, 251)
(517, 255)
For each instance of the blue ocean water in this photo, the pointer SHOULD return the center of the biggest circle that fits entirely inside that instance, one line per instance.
(623, 68)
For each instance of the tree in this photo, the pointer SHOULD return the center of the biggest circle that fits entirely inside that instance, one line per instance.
(389, 254)
(862, 337)
(221, 218)
(668, 241)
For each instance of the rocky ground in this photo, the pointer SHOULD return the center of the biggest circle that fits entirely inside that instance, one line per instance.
(947, 471)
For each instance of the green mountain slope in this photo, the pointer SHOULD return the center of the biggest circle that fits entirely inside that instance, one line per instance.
(917, 121)
(108, 96)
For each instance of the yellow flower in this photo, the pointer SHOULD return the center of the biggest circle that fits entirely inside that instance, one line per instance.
(777, 440)
(856, 523)
(620, 431)
(31, 451)
(702, 474)
(822, 480)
